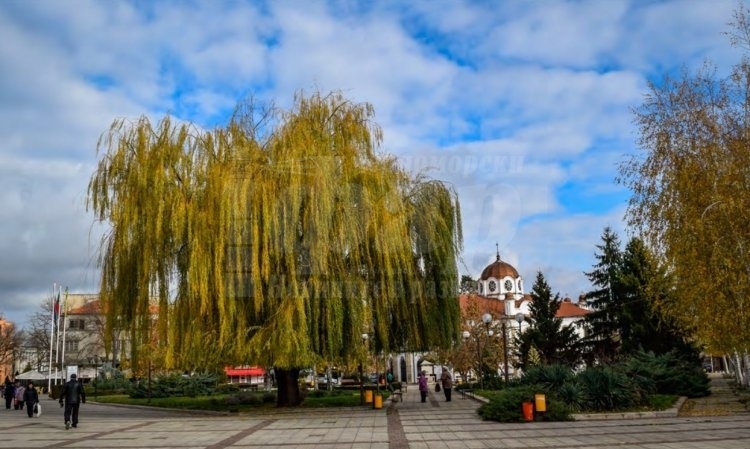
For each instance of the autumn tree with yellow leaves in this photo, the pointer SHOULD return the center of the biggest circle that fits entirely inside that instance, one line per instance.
(276, 240)
(691, 196)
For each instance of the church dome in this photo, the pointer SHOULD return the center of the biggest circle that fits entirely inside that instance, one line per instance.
(498, 270)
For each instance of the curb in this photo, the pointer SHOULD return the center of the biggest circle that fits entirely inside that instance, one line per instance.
(165, 409)
(668, 413)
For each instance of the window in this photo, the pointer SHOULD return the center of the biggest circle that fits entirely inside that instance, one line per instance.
(77, 324)
(71, 346)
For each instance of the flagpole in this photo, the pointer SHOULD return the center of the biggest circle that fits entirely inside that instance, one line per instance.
(51, 334)
(64, 328)
(57, 336)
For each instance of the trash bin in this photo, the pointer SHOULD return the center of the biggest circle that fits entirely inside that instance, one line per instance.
(528, 411)
(368, 396)
(540, 402)
(378, 402)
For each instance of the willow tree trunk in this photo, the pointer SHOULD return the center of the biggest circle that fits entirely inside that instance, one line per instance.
(287, 381)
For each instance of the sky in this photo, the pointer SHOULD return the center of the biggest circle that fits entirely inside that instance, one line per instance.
(525, 107)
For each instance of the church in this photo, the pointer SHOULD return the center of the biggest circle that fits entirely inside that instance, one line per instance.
(501, 299)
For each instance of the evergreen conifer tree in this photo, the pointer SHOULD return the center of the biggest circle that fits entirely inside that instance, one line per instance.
(547, 336)
(603, 322)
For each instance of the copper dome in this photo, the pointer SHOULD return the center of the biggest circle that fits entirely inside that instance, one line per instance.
(498, 270)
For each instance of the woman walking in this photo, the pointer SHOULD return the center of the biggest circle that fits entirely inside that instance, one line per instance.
(423, 385)
(32, 398)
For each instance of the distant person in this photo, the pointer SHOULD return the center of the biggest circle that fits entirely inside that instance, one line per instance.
(31, 397)
(423, 385)
(447, 382)
(389, 377)
(74, 396)
(9, 392)
(19, 396)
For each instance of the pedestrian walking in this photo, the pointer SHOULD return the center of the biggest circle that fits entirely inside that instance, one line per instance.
(73, 396)
(19, 396)
(423, 385)
(447, 381)
(31, 397)
(9, 392)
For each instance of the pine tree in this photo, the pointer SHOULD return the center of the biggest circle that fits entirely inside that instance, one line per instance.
(554, 342)
(603, 323)
(644, 326)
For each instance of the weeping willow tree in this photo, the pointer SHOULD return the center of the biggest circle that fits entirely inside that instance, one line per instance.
(276, 240)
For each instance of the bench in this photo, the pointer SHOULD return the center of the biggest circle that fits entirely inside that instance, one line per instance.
(397, 390)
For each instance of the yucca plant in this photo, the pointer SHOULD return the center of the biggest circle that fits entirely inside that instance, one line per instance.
(550, 377)
(573, 395)
(607, 389)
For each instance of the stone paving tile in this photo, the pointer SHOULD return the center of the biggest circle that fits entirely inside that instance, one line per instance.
(436, 424)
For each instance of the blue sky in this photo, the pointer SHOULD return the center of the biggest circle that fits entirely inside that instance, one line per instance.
(524, 106)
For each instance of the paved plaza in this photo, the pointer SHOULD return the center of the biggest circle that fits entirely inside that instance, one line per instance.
(407, 424)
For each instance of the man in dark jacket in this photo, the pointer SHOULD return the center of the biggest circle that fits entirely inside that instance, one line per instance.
(9, 391)
(74, 396)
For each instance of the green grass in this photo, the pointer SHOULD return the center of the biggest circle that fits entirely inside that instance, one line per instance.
(211, 403)
(662, 401)
(337, 398)
(218, 402)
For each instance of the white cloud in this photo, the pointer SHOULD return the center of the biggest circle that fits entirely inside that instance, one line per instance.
(514, 103)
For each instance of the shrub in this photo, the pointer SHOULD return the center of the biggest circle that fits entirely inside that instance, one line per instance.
(668, 373)
(557, 410)
(176, 385)
(269, 397)
(505, 405)
(572, 395)
(607, 389)
(550, 377)
(108, 381)
(227, 388)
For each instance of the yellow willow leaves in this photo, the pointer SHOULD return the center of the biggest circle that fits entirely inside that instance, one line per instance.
(278, 250)
(691, 194)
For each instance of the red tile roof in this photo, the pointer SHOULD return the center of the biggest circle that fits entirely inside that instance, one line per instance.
(569, 310)
(90, 308)
(496, 308)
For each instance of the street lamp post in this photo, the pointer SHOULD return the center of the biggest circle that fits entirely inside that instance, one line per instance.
(361, 386)
(96, 377)
(505, 351)
(487, 320)
(519, 319)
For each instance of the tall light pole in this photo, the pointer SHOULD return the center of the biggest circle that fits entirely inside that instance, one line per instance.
(486, 319)
(505, 351)
(361, 386)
